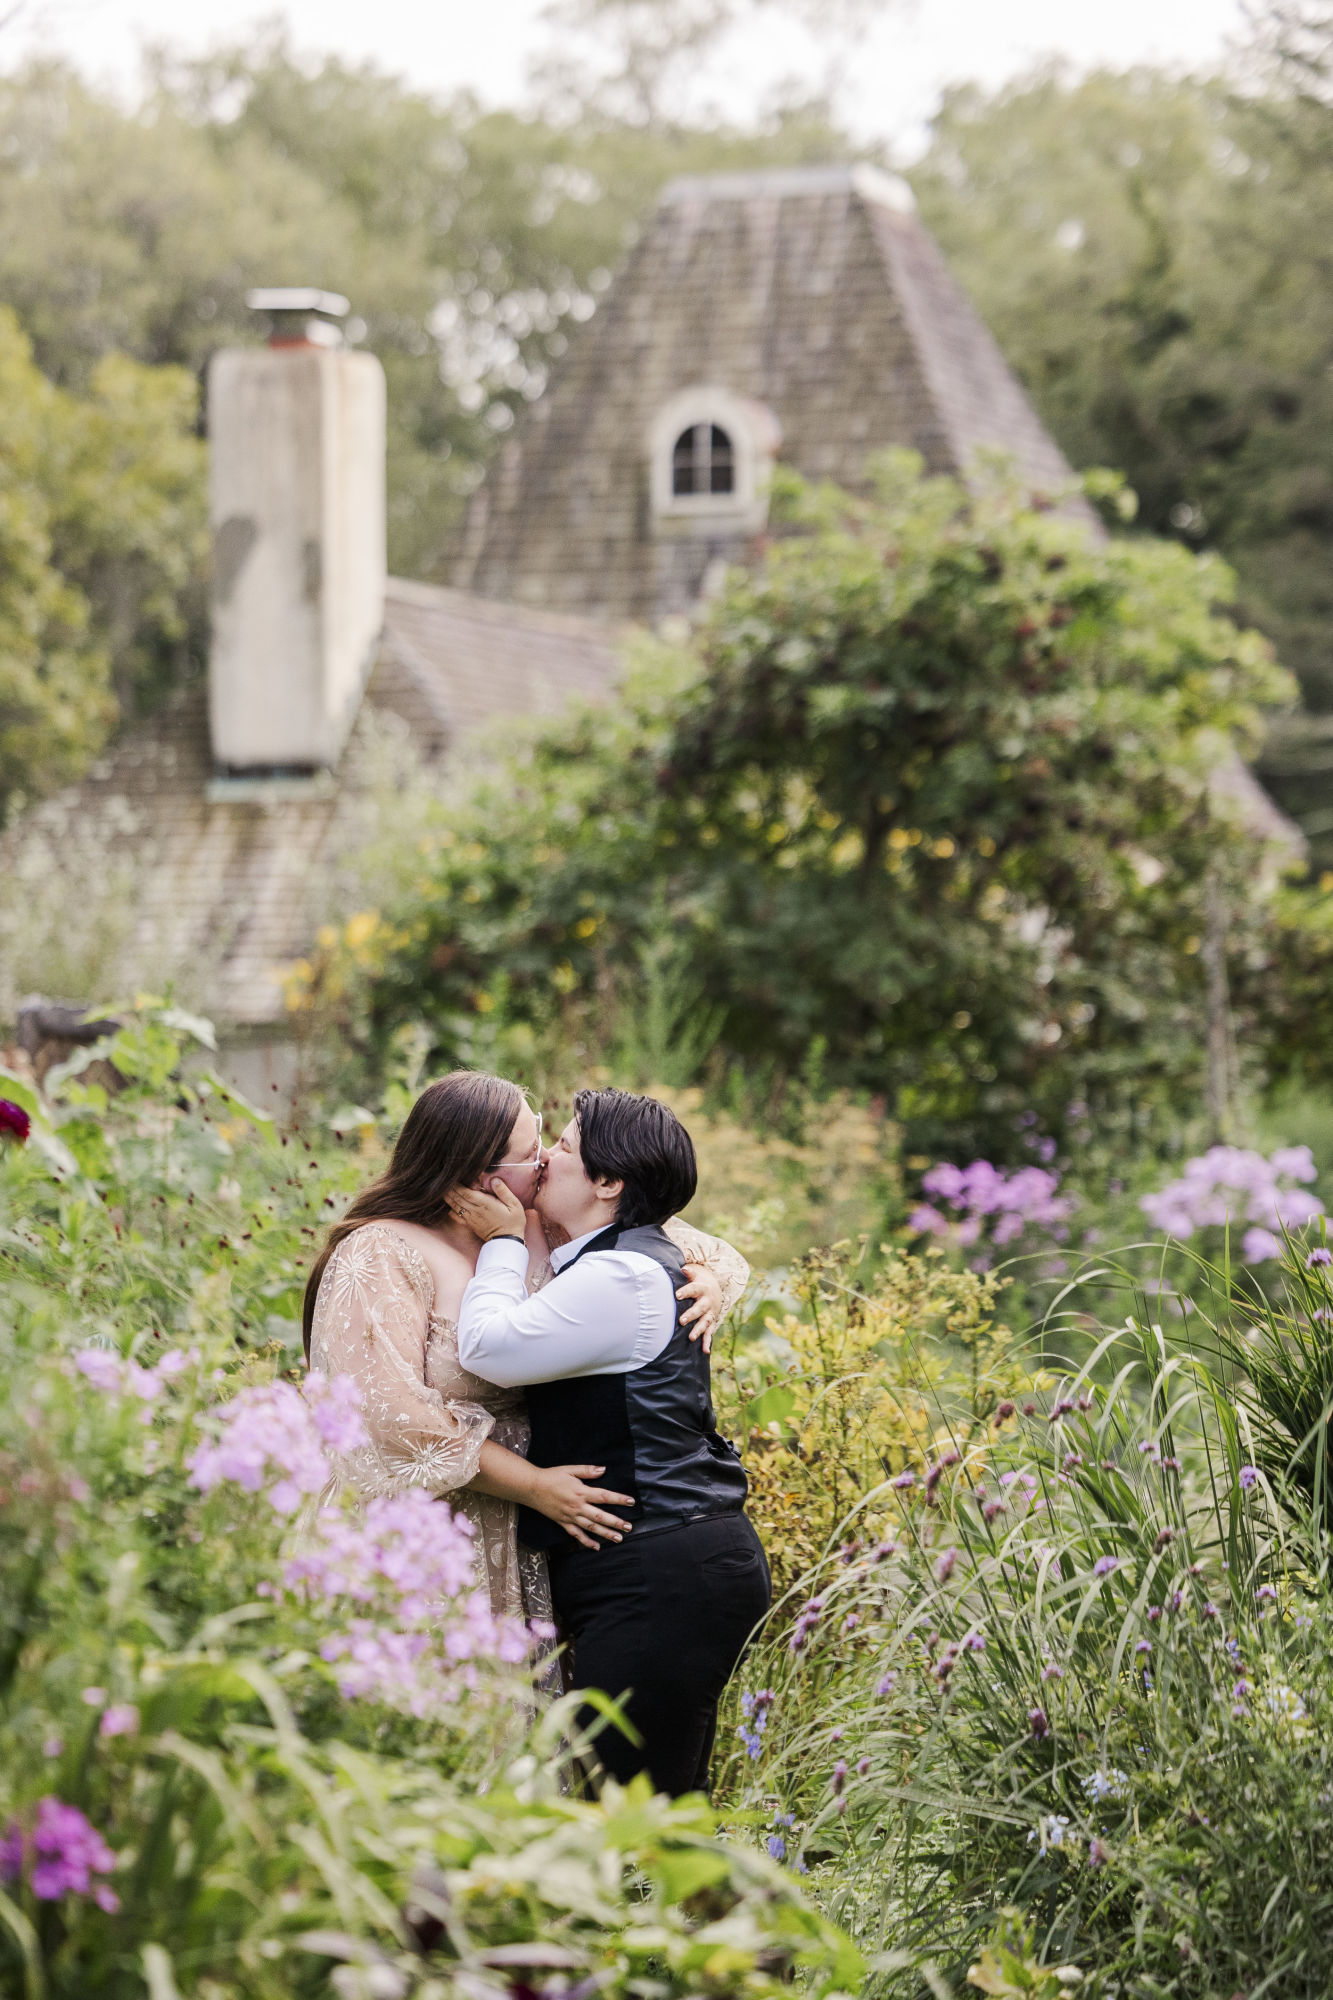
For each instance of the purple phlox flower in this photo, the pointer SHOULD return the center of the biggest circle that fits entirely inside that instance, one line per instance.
(1071, 1459)
(1148, 1449)
(836, 1735)
(1143, 1646)
(1242, 1690)
(1038, 1723)
(1171, 1464)
(1319, 1257)
(903, 1480)
(982, 1193)
(1105, 1564)
(883, 1550)
(839, 1778)
(1177, 1599)
(121, 1719)
(1154, 1613)
(54, 1746)
(95, 1697)
(851, 1621)
(927, 1220)
(397, 1582)
(1248, 1475)
(1164, 1537)
(1085, 1402)
(1060, 1408)
(849, 1552)
(993, 1509)
(945, 1565)
(886, 1684)
(1003, 1411)
(1098, 1855)
(944, 1666)
(862, 1766)
(975, 1642)
(62, 1854)
(1210, 1610)
(1322, 1313)
(1052, 1672)
(103, 1369)
(777, 1847)
(272, 1439)
(1266, 1593)
(1228, 1184)
(1029, 1409)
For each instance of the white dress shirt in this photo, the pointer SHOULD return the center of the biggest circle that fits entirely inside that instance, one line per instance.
(615, 1311)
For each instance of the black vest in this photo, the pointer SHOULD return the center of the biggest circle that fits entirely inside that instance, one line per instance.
(652, 1428)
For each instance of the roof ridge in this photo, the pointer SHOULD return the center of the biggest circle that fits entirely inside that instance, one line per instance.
(871, 183)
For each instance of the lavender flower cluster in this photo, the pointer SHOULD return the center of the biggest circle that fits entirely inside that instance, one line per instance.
(58, 1855)
(984, 1197)
(404, 1569)
(1232, 1184)
(274, 1440)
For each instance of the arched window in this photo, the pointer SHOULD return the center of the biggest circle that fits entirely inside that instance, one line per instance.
(702, 461)
(710, 455)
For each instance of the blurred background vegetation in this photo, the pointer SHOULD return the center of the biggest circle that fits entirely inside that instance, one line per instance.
(1147, 248)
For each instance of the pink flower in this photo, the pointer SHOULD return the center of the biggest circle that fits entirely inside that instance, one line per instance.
(903, 1481)
(14, 1120)
(273, 1440)
(1105, 1564)
(1038, 1723)
(94, 1696)
(945, 1566)
(103, 1369)
(122, 1719)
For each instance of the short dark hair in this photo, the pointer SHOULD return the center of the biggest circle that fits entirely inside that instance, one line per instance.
(638, 1141)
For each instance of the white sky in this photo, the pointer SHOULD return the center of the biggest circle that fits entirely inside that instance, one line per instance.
(444, 44)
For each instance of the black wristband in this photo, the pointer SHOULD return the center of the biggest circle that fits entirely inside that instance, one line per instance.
(506, 1236)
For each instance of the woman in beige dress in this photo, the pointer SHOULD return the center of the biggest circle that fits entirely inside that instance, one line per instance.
(382, 1306)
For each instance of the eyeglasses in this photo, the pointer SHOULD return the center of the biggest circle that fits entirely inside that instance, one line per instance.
(536, 1152)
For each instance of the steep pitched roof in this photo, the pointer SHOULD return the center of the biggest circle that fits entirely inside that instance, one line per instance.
(226, 878)
(816, 292)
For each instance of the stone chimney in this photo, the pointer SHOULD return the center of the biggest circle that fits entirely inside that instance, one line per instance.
(296, 497)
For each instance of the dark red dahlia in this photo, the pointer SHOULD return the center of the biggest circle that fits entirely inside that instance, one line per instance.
(14, 1120)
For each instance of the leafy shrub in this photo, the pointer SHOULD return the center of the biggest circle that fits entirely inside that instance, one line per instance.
(931, 790)
(841, 1396)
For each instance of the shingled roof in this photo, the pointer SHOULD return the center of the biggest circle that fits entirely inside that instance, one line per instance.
(816, 292)
(227, 878)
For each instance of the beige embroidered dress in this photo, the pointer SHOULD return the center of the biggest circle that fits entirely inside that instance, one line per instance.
(426, 1415)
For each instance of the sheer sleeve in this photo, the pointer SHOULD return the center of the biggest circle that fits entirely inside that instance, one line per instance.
(372, 1320)
(727, 1265)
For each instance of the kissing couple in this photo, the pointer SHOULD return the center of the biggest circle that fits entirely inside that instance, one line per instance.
(530, 1330)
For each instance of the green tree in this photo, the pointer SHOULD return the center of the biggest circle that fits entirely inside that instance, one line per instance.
(931, 797)
(102, 549)
(471, 243)
(1148, 251)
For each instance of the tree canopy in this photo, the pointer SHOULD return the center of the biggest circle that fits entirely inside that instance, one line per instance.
(102, 545)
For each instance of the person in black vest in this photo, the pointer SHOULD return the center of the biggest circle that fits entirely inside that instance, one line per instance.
(613, 1376)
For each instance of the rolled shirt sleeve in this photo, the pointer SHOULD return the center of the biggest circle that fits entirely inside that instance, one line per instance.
(609, 1313)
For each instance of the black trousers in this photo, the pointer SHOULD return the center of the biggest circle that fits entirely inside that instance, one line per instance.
(664, 1615)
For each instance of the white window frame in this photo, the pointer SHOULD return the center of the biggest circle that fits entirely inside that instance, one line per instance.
(755, 436)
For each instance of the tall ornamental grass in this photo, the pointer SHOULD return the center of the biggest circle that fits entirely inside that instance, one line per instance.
(1082, 1675)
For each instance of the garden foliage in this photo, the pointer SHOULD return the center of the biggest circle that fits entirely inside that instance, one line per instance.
(249, 1749)
(927, 801)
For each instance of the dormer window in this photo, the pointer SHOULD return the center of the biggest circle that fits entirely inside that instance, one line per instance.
(711, 455)
(703, 461)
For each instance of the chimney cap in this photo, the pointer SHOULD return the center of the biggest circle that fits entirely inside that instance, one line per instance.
(300, 315)
(298, 298)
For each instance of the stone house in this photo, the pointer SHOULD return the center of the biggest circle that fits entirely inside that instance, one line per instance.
(797, 314)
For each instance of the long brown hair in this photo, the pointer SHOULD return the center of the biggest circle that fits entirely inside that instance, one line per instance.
(457, 1129)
